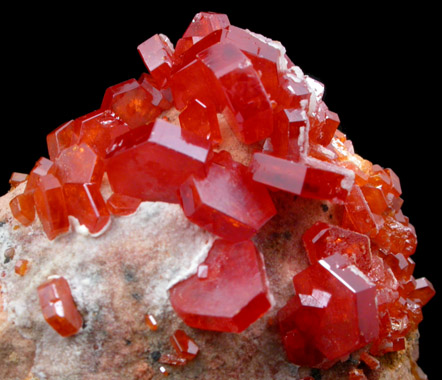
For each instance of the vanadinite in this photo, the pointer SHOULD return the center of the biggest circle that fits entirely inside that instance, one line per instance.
(358, 291)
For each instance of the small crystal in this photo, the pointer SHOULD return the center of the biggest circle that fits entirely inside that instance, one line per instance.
(58, 307)
(184, 346)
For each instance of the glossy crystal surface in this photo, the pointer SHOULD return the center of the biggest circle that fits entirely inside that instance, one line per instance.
(233, 295)
(58, 307)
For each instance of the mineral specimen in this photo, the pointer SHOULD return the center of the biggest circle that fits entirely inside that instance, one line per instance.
(165, 138)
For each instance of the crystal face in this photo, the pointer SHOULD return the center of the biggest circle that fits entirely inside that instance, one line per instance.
(165, 137)
(154, 167)
(231, 296)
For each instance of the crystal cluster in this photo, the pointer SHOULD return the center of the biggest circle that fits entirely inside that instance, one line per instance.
(359, 290)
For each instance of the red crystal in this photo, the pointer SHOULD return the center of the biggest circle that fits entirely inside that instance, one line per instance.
(242, 210)
(161, 98)
(120, 204)
(359, 213)
(292, 93)
(61, 138)
(375, 198)
(17, 178)
(51, 206)
(206, 22)
(23, 208)
(396, 237)
(153, 166)
(249, 105)
(156, 53)
(286, 132)
(131, 102)
(320, 182)
(201, 119)
(323, 240)
(234, 294)
(58, 307)
(79, 164)
(184, 345)
(324, 125)
(42, 167)
(423, 291)
(85, 202)
(325, 292)
(196, 81)
(100, 130)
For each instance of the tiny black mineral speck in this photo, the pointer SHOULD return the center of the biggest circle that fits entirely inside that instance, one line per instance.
(156, 355)
(316, 374)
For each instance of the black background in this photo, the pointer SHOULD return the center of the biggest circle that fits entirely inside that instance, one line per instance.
(378, 65)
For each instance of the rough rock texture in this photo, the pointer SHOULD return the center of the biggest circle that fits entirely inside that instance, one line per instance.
(124, 274)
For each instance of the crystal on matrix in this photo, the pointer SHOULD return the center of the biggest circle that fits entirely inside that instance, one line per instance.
(23, 208)
(242, 209)
(17, 178)
(167, 137)
(334, 309)
(232, 296)
(51, 207)
(85, 202)
(58, 307)
(21, 267)
(184, 345)
(151, 322)
(121, 205)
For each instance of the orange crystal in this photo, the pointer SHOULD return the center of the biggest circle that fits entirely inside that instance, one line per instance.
(79, 164)
(58, 307)
(131, 102)
(120, 204)
(85, 202)
(21, 267)
(151, 322)
(51, 206)
(23, 208)
(184, 345)
(17, 178)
